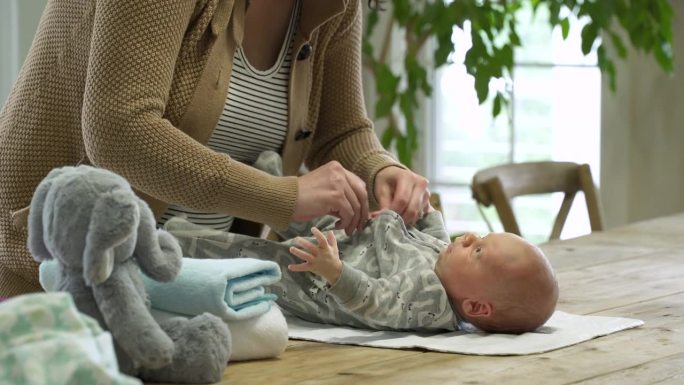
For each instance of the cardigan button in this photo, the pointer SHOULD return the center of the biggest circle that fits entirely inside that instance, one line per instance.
(302, 134)
(305, 52)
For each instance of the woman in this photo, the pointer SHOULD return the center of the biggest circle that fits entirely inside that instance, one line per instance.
(180, 96)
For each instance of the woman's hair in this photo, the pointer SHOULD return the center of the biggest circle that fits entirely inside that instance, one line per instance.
(376, 4)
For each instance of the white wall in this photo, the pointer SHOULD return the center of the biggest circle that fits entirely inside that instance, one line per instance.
(642, 140)
(18, 22)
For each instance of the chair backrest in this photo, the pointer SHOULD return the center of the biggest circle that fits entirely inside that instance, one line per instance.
(436, 202)
(500, 184)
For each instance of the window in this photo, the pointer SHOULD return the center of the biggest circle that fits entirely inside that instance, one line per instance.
(554, 115)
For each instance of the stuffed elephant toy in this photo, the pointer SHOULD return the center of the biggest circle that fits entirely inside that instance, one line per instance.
(103, 235)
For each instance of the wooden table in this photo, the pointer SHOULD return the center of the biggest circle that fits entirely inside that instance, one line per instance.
(633, 271)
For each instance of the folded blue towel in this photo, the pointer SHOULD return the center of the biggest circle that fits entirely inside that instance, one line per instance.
(232, 289)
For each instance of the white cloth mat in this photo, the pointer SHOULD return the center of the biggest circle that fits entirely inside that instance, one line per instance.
(561, 330)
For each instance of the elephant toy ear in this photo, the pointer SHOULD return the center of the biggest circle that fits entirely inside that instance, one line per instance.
(38, 214)
(114, 220)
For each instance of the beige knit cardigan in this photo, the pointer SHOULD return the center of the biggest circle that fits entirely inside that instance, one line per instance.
(137, 86)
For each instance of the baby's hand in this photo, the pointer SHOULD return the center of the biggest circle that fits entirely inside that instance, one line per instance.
(323, 259)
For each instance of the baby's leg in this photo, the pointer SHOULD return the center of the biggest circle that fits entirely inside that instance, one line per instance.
(303, 229)
(269, 162)
(201, 242)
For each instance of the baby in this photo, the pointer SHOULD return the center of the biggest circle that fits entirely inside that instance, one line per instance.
(498, 283)
(391, 276)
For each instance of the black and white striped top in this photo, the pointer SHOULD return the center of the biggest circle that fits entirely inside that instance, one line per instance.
(254, 119)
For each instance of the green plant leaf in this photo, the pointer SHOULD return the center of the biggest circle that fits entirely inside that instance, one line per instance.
(665, 20)
(482, 88)
(402, 10)
(371, 22)
(383, 106)
(618, 45)
(589, 34)
(417, 77)
(565, 27)
(445, 46)
(403, 151)
(554, 12)
(387, 137)
(386, 79)
(606, 65)
(367, 49)
(496, 105)
(663, 55)
(506, 58)
(386, 84)
(513, 36)
(406, 104)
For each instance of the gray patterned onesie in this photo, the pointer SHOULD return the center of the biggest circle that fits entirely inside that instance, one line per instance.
(387, 282)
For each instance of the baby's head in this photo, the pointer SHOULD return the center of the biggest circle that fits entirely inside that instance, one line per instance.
(499, 283)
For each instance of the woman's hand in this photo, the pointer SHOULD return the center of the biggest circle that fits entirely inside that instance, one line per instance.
(323, 259)
(402, 191)
(331, 189)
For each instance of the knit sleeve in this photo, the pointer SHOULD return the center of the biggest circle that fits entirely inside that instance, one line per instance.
(345, 133)
(134, 49)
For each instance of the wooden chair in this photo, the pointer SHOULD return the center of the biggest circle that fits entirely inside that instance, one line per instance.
(500, 184)
(436, 202)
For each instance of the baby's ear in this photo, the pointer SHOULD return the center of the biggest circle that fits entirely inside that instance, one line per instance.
(477, 308)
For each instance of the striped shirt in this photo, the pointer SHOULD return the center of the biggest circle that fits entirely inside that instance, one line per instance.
(254, 119)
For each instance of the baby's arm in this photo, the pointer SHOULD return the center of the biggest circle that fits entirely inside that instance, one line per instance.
(322, 259)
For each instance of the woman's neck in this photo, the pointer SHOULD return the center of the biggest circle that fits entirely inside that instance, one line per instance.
(266, 24)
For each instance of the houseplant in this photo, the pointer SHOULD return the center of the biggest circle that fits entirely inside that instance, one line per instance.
(424, 25)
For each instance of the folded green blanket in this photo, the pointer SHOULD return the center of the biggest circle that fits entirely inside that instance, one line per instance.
(44, 340)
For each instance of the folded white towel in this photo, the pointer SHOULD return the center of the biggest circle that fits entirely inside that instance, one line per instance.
(263, 336)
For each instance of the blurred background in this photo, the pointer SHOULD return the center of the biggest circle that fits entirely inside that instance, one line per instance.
(561, 108)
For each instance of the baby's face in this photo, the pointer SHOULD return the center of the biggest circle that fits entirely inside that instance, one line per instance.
(471, 263)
